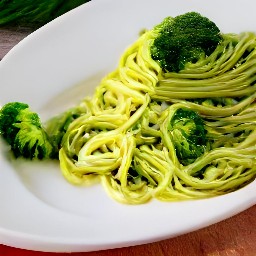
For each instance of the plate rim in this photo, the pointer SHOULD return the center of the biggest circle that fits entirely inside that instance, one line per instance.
(33, 242)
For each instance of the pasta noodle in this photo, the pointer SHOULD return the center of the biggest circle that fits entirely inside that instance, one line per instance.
(123, 138)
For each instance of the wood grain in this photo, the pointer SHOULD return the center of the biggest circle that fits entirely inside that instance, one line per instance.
(233, 237)
(10, 36)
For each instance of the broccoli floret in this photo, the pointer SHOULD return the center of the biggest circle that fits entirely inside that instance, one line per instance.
(23, 131)
(188, 135)
(183, 39)
(57, 126)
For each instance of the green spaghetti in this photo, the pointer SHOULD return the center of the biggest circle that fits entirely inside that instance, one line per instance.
(175, 121)
(124, 139)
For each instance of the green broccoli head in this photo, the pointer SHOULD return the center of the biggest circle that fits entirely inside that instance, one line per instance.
(188, 135)
(22, 129)
(185, 38)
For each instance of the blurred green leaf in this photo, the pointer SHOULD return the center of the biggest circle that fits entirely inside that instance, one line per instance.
(34, 13)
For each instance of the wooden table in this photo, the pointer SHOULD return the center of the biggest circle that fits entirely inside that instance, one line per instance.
(233, 237)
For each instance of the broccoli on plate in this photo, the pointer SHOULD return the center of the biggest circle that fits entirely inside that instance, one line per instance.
(186, 130)
(186, 38)
(22, 129)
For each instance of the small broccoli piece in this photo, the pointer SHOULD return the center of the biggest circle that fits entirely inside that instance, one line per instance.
(183, 39)
(57, 126)
(23, 131)
(188, 135)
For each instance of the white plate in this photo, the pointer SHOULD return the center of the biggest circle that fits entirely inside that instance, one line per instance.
(42, 211)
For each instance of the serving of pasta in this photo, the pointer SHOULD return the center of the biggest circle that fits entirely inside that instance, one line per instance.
(126, 135)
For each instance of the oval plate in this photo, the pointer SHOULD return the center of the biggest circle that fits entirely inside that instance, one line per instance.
(54, 68)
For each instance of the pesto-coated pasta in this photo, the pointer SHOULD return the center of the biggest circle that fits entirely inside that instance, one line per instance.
(123, 139)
